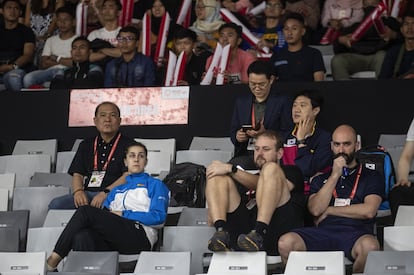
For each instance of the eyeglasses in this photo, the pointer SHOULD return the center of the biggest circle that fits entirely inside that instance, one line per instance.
(121, 39)
(261, 85)
(275, 5)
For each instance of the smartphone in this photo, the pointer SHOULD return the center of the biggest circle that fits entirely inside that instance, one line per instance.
(246, 127)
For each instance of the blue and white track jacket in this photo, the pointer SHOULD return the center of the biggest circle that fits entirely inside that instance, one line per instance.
(143, 199)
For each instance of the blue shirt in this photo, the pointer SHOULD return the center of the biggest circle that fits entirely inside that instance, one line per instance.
(138, 72)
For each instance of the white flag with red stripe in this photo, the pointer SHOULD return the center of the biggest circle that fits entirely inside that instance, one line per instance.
(258, 9)
(212, 69)
(246, 33)
(369, 21)
(162, 38)
(81, 19)
(146, 34)
(224, 60)
(125, 17)
(184, 14)
(169, 76)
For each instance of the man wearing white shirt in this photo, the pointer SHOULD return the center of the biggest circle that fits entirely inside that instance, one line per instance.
(109, 15)
(56, 52)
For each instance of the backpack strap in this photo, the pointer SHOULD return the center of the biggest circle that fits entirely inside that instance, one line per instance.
(398, 61)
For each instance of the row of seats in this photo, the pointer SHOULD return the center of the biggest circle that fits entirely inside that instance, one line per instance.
(180, 254)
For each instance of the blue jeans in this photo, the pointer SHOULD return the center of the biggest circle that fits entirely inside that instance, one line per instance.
(13, 80)
(67, 202)
(40, 76)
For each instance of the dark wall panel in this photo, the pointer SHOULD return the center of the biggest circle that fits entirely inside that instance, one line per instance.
(371, 106)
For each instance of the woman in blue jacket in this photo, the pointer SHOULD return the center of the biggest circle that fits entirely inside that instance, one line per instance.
(132, 214)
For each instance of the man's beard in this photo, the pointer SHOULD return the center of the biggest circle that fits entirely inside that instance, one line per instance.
(260, 161)
(348, 157)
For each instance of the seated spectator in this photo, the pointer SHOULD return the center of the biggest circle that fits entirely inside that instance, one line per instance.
(82, 74)
(338, 14)
(17, 48)
(262, 110)
(207, 23)
(366, 54)
(41, 18)
(239, 60)
(249, 211)
(133, 212)
(308, 145)
(98, 165)
(271, 33)
(185, 40)
(344, 207)
(297, 62)
(399, 60)
(56, 52)
(132, 69)
(104, 39)
(311, 12)
(403, 191)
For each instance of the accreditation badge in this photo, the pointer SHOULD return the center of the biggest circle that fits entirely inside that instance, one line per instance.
(342, 202)
(96, 179)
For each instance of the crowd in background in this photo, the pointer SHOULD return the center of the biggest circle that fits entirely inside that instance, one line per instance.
(127, 44)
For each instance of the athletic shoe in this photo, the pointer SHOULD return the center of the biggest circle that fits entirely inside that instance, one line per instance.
(220, 241)
(250, 242)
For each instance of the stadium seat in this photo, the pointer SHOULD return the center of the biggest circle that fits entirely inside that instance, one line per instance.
(35, 147)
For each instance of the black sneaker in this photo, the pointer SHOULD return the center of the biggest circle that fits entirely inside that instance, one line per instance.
(250, 242)
(220, 241)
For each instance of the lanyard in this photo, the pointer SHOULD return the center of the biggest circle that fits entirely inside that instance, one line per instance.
(355, 185)
(253, 117)
(95, 153)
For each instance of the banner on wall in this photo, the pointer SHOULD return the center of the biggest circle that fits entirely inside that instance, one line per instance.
(139, 106)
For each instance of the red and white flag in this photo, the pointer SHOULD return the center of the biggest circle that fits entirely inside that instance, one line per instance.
(224, 61)
(146, 34)
(125, 18)
(246, 33)
(212, 69)
(162, 38)
(396, 7)
(258, 9)
(81, 19)
(369, 21)
(175, 68)
(184, 16)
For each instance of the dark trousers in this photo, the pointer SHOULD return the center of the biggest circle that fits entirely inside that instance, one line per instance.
(94, 229)
(401, 195)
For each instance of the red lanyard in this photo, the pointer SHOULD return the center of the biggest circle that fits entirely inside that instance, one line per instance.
(253, 117)
(355, 185)
(95, 153)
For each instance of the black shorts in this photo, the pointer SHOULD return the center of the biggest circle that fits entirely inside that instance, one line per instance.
(243, 220)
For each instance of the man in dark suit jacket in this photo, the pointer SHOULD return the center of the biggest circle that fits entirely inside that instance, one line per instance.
(258, 112)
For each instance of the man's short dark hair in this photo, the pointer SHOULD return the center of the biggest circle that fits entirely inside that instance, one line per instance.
(273, 135)
(261, 67)
(82, 38)
(295, 16)
(117, 3)
(282, 2)
(130, 29)
(409, 13)
(109, 103)
(66, 9)
(233, 26)
(182, 33)
(15, 1)
(315, 98)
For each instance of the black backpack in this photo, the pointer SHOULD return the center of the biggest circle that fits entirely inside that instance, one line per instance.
(375, 157)
(187, 183)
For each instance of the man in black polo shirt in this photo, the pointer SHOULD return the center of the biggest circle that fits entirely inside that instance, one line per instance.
(98, 165)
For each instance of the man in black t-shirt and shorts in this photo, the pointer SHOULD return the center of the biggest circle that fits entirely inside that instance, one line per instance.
(251, 211)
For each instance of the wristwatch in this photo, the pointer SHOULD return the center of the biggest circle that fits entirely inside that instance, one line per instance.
(15, 66)
(106, 190)
(233, 169)
(300, 141)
